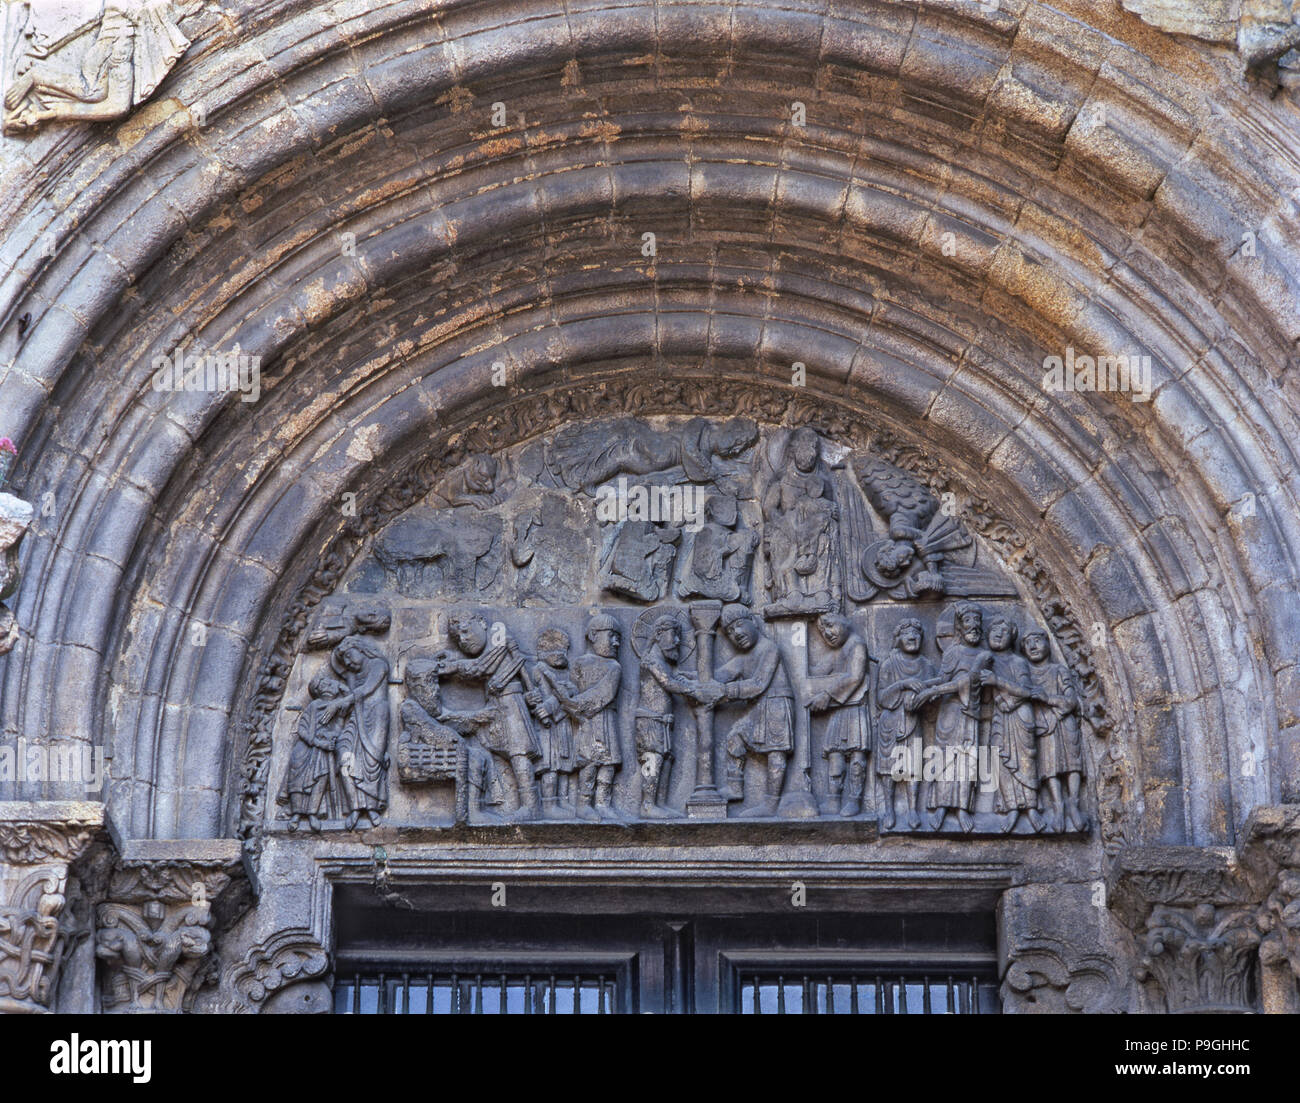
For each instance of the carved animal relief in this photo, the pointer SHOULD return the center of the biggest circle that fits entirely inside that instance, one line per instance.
(670, 618)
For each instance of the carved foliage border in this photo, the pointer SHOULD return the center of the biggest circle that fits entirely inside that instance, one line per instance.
(493, 428)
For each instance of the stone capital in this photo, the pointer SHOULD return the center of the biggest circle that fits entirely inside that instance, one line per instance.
(40, 841)
(1192, 912)
(154, 932)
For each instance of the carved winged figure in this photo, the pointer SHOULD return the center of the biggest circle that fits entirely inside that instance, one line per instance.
(100, 70)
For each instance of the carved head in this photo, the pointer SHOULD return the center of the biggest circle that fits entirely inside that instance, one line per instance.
(1002, 633)
(481, 472)
(325, 686)
(553, 647)
(1035, 645)
(470, 631)
(969, 622)
(351, 657)
(423, 684)
(909, 635)
(667, 634)
(733, 437)
(741, 629)
(604, 635)
(893, 558)
(805, 447)
(834, 629)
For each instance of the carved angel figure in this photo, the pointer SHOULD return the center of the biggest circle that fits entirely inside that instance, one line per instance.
(100, 70)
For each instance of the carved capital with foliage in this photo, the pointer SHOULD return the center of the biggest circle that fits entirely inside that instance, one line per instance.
(40, 842)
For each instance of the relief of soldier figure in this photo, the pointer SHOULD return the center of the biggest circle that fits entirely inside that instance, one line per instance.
(840, 687)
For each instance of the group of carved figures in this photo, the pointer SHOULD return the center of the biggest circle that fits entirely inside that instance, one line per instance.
(706, 529)
(545, 741)
(339, 763)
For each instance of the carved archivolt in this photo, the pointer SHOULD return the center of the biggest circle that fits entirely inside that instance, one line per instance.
(561, 622)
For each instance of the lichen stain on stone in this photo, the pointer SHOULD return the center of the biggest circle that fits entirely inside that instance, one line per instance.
(144, 119)
(1035, 284)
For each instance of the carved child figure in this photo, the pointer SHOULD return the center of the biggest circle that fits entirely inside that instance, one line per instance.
(839, 687)
(756, 674)
(309, 781)
(898, 732)
(1060, 744)
(548, 699)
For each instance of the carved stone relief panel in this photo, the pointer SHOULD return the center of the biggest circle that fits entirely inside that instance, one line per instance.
(680, 617)
(87, 60)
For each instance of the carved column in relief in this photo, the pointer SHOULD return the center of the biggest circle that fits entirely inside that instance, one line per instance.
(154, 937)
(39, 843)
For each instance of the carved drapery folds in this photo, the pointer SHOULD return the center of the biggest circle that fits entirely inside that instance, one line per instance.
(86, 60)
(39, 843)
(713, 610)
(154, 937)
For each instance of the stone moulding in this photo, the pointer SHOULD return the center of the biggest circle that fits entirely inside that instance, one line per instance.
(493, 430)
(285, 972)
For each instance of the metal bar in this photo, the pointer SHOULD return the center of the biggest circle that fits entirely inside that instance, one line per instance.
(780, 995)
(577, 995)
(505, 998)
(853, 995)
(552, 1010)
(925, 996)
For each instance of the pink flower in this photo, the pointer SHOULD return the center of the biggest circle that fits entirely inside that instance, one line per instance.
(6, 445)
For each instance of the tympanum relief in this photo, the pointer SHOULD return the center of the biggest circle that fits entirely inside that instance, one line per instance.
(647, 619)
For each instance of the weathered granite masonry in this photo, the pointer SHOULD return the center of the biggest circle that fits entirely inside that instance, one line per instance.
(413, 249)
